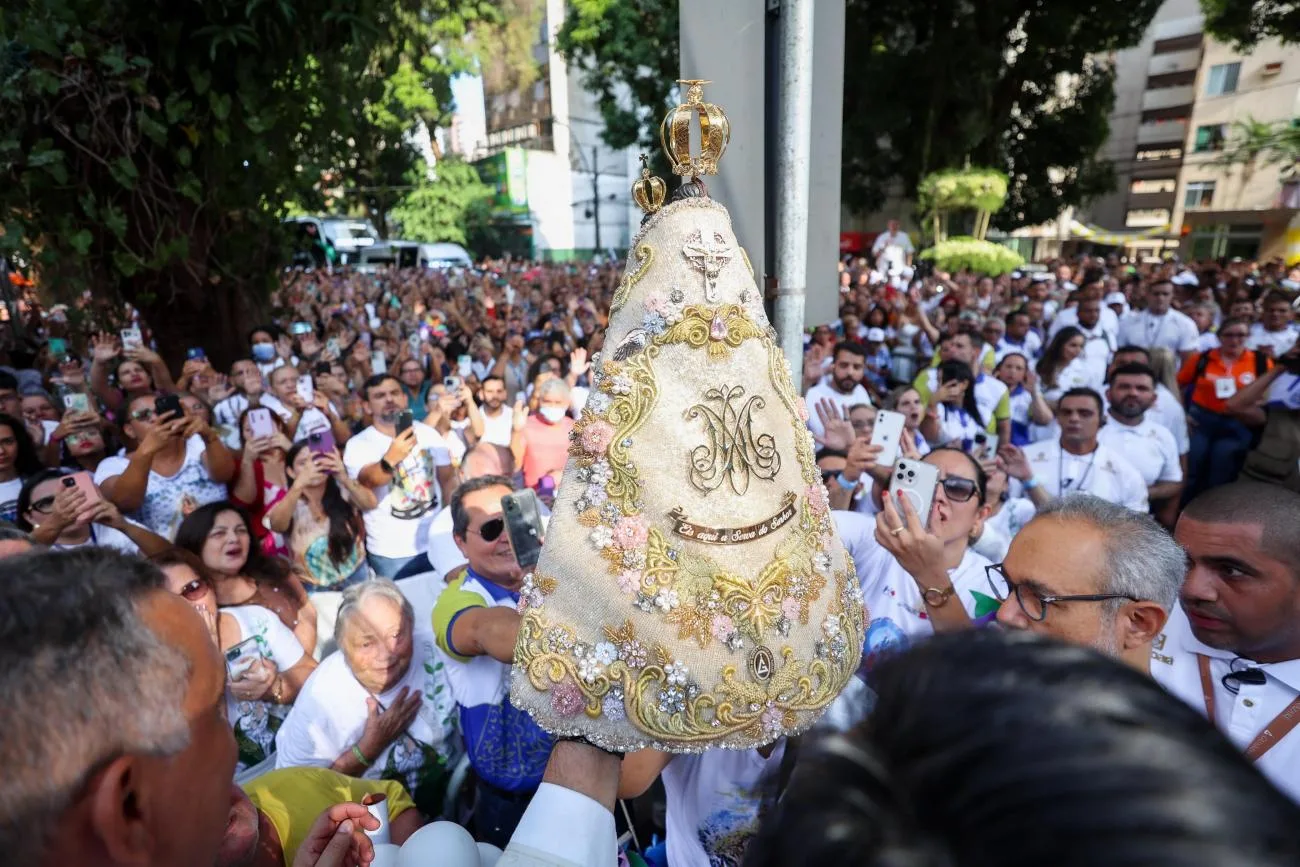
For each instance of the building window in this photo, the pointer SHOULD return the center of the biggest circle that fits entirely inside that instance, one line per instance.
(1152, 154)
(1210, 138)
(1222, 79)
(1153, 185)
(1145, 218)
(1199, 194)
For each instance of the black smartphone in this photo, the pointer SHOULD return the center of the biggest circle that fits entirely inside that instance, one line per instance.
(404, 421)
(524, 524)
(167, 405)
(322, 368)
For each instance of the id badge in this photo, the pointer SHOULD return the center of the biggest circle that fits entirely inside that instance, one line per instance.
(1225, 387)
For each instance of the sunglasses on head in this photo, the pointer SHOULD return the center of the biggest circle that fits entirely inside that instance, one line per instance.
(491, 529)
(959, 490)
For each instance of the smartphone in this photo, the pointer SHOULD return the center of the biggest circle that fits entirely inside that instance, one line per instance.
(242, 657)
(167, 407)
(195, 352)
(332, 345)
(917, 481)
(464, 366)
(58, 347)
(523, 518)
(86, 484)
(888, 434)
(453, 384)
(986, 446)
(76, 401)
(322, 368)
(378, 363)
(259, 423)
(404, 421)
(414, 342)
(321, 442)
(306, 389)
(131, 339)
(301, 328)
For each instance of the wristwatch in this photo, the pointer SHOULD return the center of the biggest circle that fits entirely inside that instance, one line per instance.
(936, 598)
(385, 466)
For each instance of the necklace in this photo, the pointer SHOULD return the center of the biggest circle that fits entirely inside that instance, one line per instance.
(1063, 484)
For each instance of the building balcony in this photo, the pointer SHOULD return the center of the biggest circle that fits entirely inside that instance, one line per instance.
(1178, 27)
(1150, 201)
(1171, 132)
(1174, 61)
(1168, 97)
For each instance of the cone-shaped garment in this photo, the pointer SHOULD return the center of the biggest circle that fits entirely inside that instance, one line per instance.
(692, 591)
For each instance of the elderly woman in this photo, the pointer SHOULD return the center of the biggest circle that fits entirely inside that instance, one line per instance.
(542, 447)
(380, 709)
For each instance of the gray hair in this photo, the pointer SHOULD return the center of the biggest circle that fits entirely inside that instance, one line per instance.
(1142, 560)
(357, 595)
(83, 679)
(557, 387)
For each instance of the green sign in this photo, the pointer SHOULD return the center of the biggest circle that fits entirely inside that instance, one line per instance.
(507, 173)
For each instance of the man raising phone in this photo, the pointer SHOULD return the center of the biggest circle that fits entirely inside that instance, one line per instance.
(408, 466)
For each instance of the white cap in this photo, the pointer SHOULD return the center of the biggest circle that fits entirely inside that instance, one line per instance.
(875, 335)
(1116, 298)
(1186, 278)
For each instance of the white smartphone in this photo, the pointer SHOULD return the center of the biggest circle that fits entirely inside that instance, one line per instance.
(76, 401)
(242, 656)
(414, 342)
(378, 363)
(306, 388)
(985, 447)
(465, 366)
(888, 434)
(259, 422)
(131, 339)
(917, 480)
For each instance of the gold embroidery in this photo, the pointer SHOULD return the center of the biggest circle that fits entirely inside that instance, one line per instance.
(721, 330)
(645, 254)
(732, 535)
(733, 453)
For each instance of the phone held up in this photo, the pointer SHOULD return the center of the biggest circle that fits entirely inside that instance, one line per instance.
(321, 442)
(404, 422)
(523, 518)
(167, 407)
(888, 434)
(917, 481)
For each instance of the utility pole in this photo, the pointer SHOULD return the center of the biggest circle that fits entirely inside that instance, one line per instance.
(595, 191)
(794, 164)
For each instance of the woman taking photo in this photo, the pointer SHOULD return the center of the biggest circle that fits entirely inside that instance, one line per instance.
(953, 416)
(321, 518)
(57, 513)
(118, 377)
(268, 671)
(907, 400)
(1062, 366)
(1027, 404)
(262, 481)
(18, 462)
(219, 535)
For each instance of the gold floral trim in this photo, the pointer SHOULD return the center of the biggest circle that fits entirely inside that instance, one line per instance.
(720, 329)
(645, 254)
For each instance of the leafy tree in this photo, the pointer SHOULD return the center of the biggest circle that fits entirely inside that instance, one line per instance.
(1245, 23)
(629, 53)
(449, 208)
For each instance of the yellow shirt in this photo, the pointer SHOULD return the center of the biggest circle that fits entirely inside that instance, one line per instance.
(293, 798)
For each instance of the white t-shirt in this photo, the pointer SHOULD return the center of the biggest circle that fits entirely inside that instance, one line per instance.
(1030, 347)
(225, 417)
(1103, 473)
(1107, 321)
(497, 430)
(106, 537)
(1285, 391)
(1079, 373)
(168, 499)
(843, 401)
(1173, 330)
(1242, 716)
(1281, 340)
(713, 801)
(1000, 529)
(329, 716)
(1169, 413)
(397, 527)
(9, 492)
(256, 722)
(891, 250)
(311, 421)
(1146, 445)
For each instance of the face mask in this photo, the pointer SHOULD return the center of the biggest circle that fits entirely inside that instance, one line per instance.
(551, 413)
(263, 352)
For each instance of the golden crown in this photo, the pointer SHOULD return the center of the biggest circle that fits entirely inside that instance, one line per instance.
(649, 192)
(675, 133)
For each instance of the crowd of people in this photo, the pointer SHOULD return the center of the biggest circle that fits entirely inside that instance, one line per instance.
(311, 597)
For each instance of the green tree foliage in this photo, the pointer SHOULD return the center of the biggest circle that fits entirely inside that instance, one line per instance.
(147, 149)
(1245, 22)
(451, 207)
(629, 53)
(999, 83)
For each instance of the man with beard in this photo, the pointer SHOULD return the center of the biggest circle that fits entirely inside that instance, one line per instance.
(1232, 648)
(1149, 447)
(498, 420)
(842, 385)
(1158, 325)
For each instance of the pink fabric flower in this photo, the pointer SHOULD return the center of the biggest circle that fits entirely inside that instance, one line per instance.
(596, 437)
(566, 698)
(629, 580)
(817, 497)
(631, 532)
(773, 721)
(723, 627)
(656, 302)
(803, 410)
(790, 607)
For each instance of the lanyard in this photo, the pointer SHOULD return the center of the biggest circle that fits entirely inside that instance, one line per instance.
(1151, 322)
(1285, 721)
(1061, 483)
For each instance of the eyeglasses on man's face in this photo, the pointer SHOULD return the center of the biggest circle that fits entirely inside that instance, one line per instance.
(1034, 603)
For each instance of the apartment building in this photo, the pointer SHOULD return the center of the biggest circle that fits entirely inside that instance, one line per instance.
(1178, 96)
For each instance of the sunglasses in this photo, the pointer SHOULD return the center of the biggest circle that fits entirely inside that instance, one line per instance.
(195, 590)
(491, 529)
(959, 490)
(43, 505)
(143, 415)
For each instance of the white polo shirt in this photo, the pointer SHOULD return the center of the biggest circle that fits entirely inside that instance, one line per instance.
(1029, 347)
(1103, 473)
(1242, 716)
(1174, 331)
(843, 401)
(1147, 446)
(1281, 340)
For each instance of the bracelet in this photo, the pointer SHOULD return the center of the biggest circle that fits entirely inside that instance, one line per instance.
(360, 756)
(277, 690)
(845, 483)
(1030, 483)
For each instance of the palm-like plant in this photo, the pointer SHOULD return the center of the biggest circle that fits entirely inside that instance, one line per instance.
(1250, 144)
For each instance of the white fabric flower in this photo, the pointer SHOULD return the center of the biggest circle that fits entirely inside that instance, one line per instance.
(602, 536)
(667, 599)
(677, 673)
(605, 653)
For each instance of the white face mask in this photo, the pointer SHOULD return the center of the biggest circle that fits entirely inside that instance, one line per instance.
(551, 413)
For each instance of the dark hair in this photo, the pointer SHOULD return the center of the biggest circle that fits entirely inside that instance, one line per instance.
(375, 381)
(1133, 369)
(24, 503)
(270, 328)
(1049, 365)
(1002, 747)
(174, 556)
(459, 515)
(346, 523)
(1084, 391)
(1019, 311)
(491, 377)
(981, 477)
(1272, 507)
(1130, 348)
(960, 371)
(193, 533)
(1274, 296)
(8, 380)
(851, 347)
(28, 460)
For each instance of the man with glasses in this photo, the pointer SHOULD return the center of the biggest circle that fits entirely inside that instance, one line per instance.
(476, 622)
(1115, 594)
(1231, 649)
(1077, 463)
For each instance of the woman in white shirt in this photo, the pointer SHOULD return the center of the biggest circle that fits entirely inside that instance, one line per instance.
(57, 513)
(953, 416)
(1062, 366)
